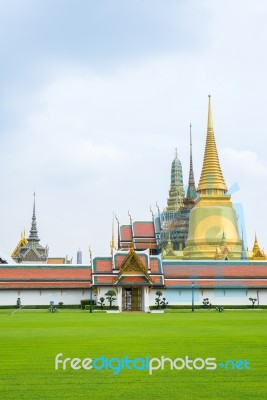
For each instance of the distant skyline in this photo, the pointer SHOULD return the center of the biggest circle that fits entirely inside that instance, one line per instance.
(96, 96)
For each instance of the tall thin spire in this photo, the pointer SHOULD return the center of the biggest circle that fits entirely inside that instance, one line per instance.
(118, 232)
(211, 175)
(191, 190)
(112, 243)
(33, 232)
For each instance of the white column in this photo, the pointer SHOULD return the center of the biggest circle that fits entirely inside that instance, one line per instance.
(146, 299)
(119, 297)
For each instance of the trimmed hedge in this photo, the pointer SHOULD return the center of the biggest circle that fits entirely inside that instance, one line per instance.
(104, 308)
(87, 302)
(187, 307)
(44, 307)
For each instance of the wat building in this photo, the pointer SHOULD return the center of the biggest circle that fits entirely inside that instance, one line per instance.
(191, 246)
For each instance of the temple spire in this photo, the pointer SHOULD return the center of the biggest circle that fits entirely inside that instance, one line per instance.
(256, 246)
(176, 192)
(33, 232)
(211, 175)
(191, 190)
(112, 243)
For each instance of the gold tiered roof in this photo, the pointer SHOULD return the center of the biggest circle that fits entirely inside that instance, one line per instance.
(211, 174)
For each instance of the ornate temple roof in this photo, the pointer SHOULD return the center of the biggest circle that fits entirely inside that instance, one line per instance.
(128, 268)
(32, 251)
(211, 174)
(22, 242)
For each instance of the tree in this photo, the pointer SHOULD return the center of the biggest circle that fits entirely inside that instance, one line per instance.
(163, 302)
(206, 303)
(253, 301)
(101, 302)
(158, 299)
(110, 296)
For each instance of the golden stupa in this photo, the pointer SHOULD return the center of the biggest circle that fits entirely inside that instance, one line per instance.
(213, 231)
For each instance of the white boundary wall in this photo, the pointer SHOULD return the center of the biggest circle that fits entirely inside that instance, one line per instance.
(31, 297)
(173, 296)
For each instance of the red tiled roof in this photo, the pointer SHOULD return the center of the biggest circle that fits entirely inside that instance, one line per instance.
(42, 284)
(119, 259)
(144, 240)
(126, 233)
(217, 283)
(125, 245)
(144, 246)
(133, 279)
(104, 279)
(143, 229)
(43, 273)
(155, 265)
(223, 271)
(59, 260)
(158, 280)
(102, 265)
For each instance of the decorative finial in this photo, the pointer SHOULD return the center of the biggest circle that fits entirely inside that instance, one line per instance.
(191, 189)
(117, 219)
(118, 233)
(90, 254)
(112, 243)
(210, 123)
(256, 240)
(130, 217)
(152, 213)
(176, 153)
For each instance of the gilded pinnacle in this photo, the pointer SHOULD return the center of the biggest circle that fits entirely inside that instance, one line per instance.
(211, 175)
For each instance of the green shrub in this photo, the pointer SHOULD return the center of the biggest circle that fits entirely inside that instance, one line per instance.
(42, 307)
(87, 302)
(189, 306)
(87, 307)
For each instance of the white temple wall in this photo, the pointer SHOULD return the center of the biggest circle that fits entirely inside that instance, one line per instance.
(173, 296)
(32, 297)
(215, 296)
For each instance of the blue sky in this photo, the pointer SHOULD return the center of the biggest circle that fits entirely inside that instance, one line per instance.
(96, 95)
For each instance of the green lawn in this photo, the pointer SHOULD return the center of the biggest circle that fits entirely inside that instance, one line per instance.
(31, 340)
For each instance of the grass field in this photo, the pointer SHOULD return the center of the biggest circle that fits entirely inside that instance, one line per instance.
(31, 340)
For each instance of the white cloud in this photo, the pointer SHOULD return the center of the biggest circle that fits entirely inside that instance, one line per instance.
(245, 162)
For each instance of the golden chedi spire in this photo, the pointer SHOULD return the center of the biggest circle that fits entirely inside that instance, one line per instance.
(211, 178)
(212, 220)
(256, 246)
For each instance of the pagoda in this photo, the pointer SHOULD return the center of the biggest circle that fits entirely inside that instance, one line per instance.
(175, 218)
(213, 231)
